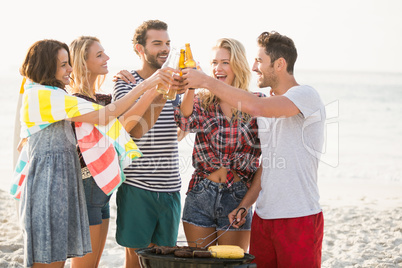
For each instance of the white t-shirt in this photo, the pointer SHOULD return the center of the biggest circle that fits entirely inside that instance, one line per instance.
(291, 149)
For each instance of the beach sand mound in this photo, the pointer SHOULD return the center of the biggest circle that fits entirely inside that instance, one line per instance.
(358, 232)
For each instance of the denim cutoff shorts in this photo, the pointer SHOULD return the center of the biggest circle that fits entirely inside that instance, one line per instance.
(209, 203)
(97, 202)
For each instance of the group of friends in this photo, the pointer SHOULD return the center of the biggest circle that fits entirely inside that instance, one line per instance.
(64, 211)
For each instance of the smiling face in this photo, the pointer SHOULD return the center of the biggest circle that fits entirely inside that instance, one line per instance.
(157, 48)
(265, 70)
(220, 64)
(63, 67)
(97, 60)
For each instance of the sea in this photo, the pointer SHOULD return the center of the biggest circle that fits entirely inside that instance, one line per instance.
(363, 129)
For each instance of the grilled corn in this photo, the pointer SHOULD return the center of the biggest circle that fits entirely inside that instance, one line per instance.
(226, 252)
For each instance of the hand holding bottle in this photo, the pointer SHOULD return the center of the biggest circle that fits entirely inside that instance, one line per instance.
(161, 79)
(170, 66)
(194, 78)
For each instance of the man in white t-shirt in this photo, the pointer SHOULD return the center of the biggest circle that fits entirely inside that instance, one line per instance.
(287, 226)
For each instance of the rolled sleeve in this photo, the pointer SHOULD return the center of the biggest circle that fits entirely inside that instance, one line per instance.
(193, 122)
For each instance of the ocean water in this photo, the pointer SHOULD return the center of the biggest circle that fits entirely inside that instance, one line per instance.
(363, 126)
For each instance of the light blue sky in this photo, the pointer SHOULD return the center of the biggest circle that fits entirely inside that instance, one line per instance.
(357, 35)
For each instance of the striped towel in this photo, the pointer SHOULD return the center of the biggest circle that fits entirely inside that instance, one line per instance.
(106, 150)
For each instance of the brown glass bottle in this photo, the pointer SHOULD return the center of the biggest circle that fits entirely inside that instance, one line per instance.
(182, 59)
(190, 62)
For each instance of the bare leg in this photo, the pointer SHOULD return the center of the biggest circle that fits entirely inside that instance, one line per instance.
(132, 260)
(193, 233)
(98, 240)
(104, 230)
(59, 264)
(237, 238)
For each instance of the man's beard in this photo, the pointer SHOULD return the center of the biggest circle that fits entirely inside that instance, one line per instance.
(152, 60)
(268, 81)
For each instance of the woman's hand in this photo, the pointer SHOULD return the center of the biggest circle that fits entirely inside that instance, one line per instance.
(195, 78)
(124, 75)
(163, 76)
(179, 84)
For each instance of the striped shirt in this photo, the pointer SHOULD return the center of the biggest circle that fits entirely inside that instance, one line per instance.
(158, 169)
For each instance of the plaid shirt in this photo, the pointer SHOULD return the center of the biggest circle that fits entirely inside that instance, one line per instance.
(221, 142)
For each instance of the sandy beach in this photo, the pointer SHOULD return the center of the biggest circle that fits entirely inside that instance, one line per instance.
(360, 175)
(363, 228)
(349, 51)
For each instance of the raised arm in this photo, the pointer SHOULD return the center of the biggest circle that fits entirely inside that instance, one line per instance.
(149, 118)
(134, 115)
(274, 106)
(153, 111)
(117, 108)
(186, 106)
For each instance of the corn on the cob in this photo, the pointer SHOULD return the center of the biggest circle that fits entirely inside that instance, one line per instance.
(226, 252)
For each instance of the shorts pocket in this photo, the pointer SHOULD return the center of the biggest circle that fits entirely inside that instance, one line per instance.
(94, 195)
(199, 188)
(239, 192)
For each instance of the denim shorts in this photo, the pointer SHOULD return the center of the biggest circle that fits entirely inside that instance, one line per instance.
(97, 202)
(209, 203)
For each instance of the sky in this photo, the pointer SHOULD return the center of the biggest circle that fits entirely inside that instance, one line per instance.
(343, 35)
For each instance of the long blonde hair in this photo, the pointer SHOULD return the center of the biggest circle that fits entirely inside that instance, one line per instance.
(79, 49)
(241, 69)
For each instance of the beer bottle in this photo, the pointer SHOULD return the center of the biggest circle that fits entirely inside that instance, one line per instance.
(182, 58)
(172, 93)
(171, 61)
(190, 62)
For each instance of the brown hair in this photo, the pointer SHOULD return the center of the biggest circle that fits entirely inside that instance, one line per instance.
(279, 46)
(140, 35)
(40, 64)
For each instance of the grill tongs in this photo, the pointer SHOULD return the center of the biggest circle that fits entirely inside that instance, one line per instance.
(199, 241)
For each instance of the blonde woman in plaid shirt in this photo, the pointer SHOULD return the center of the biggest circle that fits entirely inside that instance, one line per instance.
(226, 151)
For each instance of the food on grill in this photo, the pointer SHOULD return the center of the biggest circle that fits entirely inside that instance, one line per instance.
(165, 250)
(202, 253)
(221, 251)
(183, 252)
(226, 252)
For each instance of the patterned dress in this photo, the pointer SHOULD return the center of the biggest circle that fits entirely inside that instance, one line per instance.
(53, 209)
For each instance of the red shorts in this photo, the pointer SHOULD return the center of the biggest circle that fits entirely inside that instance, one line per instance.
(293, 242)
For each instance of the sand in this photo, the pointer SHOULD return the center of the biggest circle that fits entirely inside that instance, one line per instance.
(363, 228)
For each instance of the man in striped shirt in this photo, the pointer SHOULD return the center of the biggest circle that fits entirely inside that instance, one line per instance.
(148, 202)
